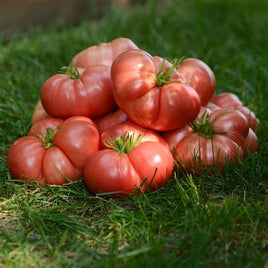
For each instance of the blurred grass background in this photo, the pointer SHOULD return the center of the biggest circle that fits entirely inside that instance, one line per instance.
(201, 221)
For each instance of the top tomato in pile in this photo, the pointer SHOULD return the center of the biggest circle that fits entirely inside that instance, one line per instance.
(104, 53)
(151, 92)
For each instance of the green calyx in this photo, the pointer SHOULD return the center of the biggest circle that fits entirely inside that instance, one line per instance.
(204, 127)
(71, 71)
(123, 144)
(163, 78)
(48, 139)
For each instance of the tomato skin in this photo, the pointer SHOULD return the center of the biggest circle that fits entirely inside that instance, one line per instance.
(90, 95)
(25, 159)
(231, 123)
(132, 129)
(196, 151)
(154, 162)
(110, 119)
(41, 126)
(134, 76)
(231, 101)
(39, 113)
(227, 100)
(28, 159)
(107, 171)
(200, 77)
(251, 142)
(105, 53)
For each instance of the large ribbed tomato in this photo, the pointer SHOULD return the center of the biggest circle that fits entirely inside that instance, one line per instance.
(129, 161)
(83, 92)
(216, 138)
(104, 53)
(54, 150)
(200, 77)
(151, 93)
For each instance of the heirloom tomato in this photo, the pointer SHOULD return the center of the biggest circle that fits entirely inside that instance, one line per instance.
(137, 159)
(151, 93)
(200, 77)
(54, 150)
(110, 119)
(215, 138)
(231, 101)
(79, 92)
(104, 53)
(39, 113)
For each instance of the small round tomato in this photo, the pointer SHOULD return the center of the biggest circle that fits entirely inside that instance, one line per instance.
(217, 138)
(83, 92)
(150, 93)
(104, 53)
(54, 151)
(200, 77)
(129, 162)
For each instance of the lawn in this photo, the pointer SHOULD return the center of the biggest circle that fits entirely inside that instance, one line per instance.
(215, 220)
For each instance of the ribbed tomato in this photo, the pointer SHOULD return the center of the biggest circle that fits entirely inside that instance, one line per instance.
(151, 93)
(216, 138)
(54, 150)
(104, 53)
(139, 158)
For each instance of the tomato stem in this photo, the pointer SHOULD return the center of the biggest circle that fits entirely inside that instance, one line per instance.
(72, 71)
(48, 139)
(123, 144)
(204, 127)
(163, 78)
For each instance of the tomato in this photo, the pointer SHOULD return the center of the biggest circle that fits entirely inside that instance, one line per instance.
(152, 96)
(129, 162)
(54, 150)
(133, 129)
(84, 92)
(231, 101)
(227, 100)
(110, 119)
(216, 139)
(251, 143)
(200, 77)
(39, 113)
(105, 53)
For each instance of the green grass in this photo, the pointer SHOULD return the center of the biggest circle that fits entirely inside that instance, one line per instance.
(194, 221)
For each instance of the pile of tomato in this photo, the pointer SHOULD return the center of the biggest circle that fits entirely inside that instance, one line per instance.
(122, 119)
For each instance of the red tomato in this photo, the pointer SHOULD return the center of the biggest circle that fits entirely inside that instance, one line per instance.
(88, 93)
(227, 100)
(54, 150)
(231, 101)
(200, 77)
(135, 162)
(39, 113)
(105, 53)
(218, 138)
(251, 143)
(110, 119)
(133, 129)
(148, 95)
